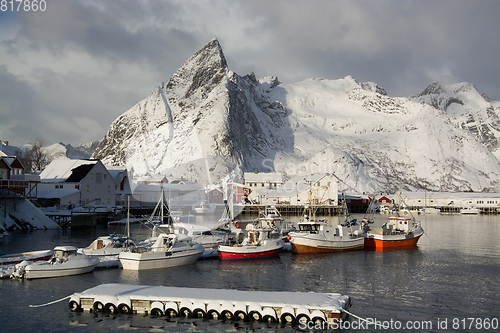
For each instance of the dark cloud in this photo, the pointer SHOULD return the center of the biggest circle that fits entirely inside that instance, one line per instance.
(92, 60)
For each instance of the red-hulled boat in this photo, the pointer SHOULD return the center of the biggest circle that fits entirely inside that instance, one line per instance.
(256, 245)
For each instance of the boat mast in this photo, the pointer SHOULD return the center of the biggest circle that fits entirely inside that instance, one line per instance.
(128, 219)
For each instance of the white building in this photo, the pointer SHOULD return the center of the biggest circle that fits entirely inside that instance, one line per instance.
(452, 199)
(255, 181)
(76, 182)
(176, 195)
(322, 188)
(122, 180)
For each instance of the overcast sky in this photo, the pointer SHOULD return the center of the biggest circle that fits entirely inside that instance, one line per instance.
(68, 72)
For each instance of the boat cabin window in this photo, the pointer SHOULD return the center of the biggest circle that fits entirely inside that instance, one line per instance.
(309, 227)
(209, 233)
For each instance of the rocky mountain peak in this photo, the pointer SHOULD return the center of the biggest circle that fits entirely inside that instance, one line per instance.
(432, 89)
(205, 68)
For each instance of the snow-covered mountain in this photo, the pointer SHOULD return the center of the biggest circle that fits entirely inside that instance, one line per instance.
(208, 123)
(62, 150)
(467, 109)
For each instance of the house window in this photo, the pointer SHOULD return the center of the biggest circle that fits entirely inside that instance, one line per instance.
(98, 178)
(109, 188)
(91, 176)
(105, 176)
(87, 188)
(108, 201)
(77, 186)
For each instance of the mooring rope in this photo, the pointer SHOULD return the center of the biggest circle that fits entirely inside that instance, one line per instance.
(357, 317)
(59, 300)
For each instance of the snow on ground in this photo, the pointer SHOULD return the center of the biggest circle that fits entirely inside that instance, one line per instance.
(24, 211)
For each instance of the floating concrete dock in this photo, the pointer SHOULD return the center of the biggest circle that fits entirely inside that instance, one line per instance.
(222, 304)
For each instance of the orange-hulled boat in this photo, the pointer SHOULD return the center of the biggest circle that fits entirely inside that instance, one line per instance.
(399, 232)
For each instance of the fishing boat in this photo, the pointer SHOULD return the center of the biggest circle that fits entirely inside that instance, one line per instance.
(470, 210)
(16, 258)
(204, 207)
(256, 245)
(401, 231)
(209, 238)
(320, 236)
(65, 261)
(271, 217)
(168, 250)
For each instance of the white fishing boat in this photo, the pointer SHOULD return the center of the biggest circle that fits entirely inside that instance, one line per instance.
(256, 245)
(168, 250)
(320, 236)
(65, 261)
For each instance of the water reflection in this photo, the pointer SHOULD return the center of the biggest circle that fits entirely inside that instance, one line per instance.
(451, 273)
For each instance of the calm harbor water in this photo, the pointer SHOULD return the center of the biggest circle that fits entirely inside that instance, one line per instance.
(453, 275)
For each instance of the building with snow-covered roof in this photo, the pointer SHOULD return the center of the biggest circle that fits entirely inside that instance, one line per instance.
(13, 178)
(260, 180)
(122, 180)
(76, 182)
(323, 190)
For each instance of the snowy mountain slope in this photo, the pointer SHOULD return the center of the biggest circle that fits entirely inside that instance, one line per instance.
(468, 110)
(62, 150)
(208, 121)
(203, 123)
(375, 141)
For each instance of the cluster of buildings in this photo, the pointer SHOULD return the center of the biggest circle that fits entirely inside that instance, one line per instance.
(89, 183)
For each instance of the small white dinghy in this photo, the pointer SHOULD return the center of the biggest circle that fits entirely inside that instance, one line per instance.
(65, 261)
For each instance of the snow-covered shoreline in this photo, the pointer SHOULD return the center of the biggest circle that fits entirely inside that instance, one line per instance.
(15, 208)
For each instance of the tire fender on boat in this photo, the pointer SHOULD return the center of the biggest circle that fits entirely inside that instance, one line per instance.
(269, 315)
(74, 306)
(318, 317)
(303, 315)
(157, 309)
(185, 309)
(227, 311)
(98, 307)
(171, 309)
(110, 308)
(124, 308)
(214, 310)
(287, 315)
(240, 311)
(254, 312)
(199, 310)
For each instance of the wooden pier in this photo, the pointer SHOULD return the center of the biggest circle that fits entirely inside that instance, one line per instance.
(220, 304)
(294, 210)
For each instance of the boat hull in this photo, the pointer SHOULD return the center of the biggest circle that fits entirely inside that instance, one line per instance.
(153, 260)
(46, 270)
(272, 248)
(226, 255)
(304, 248)
(374, 241)
(319, 243)
(11, 259)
